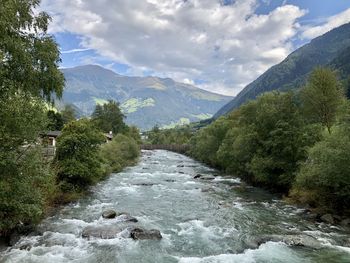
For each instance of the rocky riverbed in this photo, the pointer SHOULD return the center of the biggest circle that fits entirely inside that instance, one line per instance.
(170, 208)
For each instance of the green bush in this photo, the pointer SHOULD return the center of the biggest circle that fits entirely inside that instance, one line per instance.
(77, 156)
(120, 152)
(177, 135)
(205, 144)
(262, 142)
(26, 190)
(324, 178)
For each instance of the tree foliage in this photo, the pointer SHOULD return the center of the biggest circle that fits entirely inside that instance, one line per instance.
(108, 117)
(77, 156)
(29, 57)
(68, 113)
(324, 180)
(279, 141)
(29, 74)
(322, 97)
(178, 135)
(25, 190)
(120, 152)
(55, 121)
(208, 140)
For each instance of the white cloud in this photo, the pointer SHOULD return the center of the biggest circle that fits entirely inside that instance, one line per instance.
(75, 50)
(226, 46)
(331, 22)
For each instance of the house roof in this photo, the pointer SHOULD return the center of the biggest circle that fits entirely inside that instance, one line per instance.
(51, 133)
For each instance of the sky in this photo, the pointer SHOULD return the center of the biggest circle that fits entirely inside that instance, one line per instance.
(217, 45)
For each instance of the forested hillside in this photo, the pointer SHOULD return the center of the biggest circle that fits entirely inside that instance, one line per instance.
(330, 49)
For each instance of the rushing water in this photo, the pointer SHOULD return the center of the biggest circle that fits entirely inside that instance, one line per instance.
(200, 220)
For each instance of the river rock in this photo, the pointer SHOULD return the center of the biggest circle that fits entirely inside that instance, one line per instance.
(140, 234)
(204, 177)
(327, 218)
(108, 214)
(126, 218)
(290, 240)
(103, 232)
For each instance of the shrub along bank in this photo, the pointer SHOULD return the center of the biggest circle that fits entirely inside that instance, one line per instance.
(293, 143)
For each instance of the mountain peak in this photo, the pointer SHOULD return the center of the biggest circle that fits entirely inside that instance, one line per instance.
(146, 101)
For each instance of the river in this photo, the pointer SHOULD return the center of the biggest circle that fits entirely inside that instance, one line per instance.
(200, 221)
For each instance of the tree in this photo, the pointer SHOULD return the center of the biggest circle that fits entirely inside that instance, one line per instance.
(68, 113)
(109, 117)
(77, 155)
(29, 57)
(205, 144)
(55, 121)
(134, 133)
(26, 188)
(323, 179)
(120, 152)
(267, 141)
(322, 97)
(29, 74)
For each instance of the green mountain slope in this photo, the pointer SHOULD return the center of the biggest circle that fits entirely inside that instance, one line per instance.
(293, 71)
(146, 101)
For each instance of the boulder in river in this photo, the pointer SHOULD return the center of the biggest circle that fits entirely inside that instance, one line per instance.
(108, 214)
(140, 234)
(327, 218)
(124, 217)
(110, 232)
(301, 240)
(204, 177)
(103, 232)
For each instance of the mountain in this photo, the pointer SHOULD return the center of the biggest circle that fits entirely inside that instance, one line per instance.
(146, 101)
(327, 50)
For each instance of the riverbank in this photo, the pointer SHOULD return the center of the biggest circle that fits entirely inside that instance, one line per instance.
(207, 219)
(117, 155)
(313, 214)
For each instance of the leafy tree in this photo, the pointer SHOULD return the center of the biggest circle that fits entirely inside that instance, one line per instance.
(28, 74)
(205, 144)
(26, 181)
(322, 97)
(77, 156)
(28, 56)
(108, 117)
(22, 118)
(55, 121)
(324, 180)
(24, 198)
(120, 152)
(134, 133)
(68, 114)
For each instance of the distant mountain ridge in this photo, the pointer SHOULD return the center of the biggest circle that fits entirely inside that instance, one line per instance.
(146, 101)
(329, 49)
